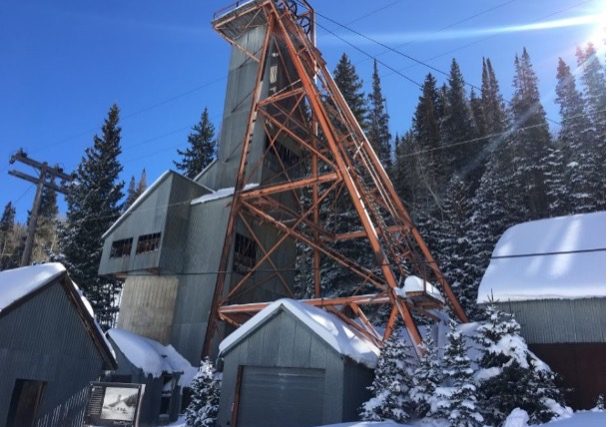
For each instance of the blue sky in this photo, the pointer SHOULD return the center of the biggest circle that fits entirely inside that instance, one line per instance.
(65, 62)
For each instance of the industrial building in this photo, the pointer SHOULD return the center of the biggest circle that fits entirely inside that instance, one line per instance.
(45, 368)
(550, 274)
(200, 257)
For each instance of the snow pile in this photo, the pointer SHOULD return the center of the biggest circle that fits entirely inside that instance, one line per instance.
(560, 257)
(327, 326)
(19, 282)
(220, 194)
(151, 356)
(517, 418)
(417, 284)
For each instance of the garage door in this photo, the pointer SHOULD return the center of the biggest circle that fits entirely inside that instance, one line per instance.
(281, 397)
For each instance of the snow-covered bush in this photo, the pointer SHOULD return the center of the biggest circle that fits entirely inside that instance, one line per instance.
(391, 383)
(203, 408)
(600, 402)
(458, 402)
(512, 377)
(426, 379)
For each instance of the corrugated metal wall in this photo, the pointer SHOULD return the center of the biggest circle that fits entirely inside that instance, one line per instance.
(284, 342)
(560, 321)
(44, 339)
(147, 306)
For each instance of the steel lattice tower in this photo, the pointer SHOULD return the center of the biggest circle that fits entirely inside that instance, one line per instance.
(295, 99)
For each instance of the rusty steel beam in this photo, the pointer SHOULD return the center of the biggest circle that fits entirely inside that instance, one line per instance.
(375, 299)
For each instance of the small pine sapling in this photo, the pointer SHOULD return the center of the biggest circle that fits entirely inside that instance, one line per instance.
(427, 378)
(601, 404)
(203, 408)
(460, 406)
(512, 377)
(391, 383)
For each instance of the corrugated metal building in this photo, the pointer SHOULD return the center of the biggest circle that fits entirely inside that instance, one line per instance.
(551, 274)
(50, 347)
(160, 368)
(316, 374)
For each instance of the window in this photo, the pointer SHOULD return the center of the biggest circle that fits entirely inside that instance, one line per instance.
(121, 248)
(244, 254)
(148, 243)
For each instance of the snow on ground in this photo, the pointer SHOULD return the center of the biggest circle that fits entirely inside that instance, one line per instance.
(579, 419)
(220, 194)
(560, 257)
(329, 327)
(19, 282)
(151, 356)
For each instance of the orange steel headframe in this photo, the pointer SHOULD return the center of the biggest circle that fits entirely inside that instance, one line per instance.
(310, 111)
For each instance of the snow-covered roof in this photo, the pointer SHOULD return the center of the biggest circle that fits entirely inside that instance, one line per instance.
(20, 282)
(151, 356)
(561, 257)
(330, 328)
(221, 193)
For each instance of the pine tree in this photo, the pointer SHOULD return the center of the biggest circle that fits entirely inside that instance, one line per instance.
(593, 80)
(203, 408)
(201, 150)
(430, 161)
(134, 191)
(351, 87)
(450, 241)
(531, 140)
(479, 117)
(8, 254)
(378, 132)
(94, 203)
(391, 383)
(457, 127)
(492, 100)
(426, 378)
(460, 407)
(46, 237)
(574, 188)
(510, 376)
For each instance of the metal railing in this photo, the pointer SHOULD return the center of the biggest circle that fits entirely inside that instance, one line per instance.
(70, 413)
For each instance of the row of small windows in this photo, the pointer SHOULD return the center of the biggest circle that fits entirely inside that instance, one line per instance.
(146, 243)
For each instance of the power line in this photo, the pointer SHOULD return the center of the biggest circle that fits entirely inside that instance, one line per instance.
(484, 137)
(418, 61)
(466, 45)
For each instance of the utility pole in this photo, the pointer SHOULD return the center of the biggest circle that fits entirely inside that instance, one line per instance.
(46, 179)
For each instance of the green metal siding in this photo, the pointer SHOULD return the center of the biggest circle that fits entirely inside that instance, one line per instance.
(44, 339)
(560, 320)
(283, 341)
